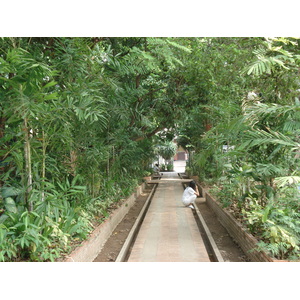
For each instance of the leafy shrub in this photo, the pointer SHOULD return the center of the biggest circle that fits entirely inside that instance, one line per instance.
(35, 237)
(224, 194)
(277, 227)
(45, 232)
(170, 167)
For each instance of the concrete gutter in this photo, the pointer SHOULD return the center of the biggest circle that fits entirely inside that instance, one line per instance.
(212, 244)
(134, 230)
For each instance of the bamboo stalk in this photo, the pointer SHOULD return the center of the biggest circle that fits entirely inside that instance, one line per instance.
(28, 166)
(44, 146)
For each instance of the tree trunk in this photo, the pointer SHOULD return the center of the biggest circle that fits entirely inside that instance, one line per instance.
(73, 161)
(28, 167)
(44, 146)
(2, 128)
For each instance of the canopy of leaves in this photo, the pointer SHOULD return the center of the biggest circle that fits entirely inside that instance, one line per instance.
(80, 119)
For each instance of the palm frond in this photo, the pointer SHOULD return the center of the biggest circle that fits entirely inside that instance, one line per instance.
(271, 57)
(287, 180)
(259, 111)
(261, 137)
(267, 170)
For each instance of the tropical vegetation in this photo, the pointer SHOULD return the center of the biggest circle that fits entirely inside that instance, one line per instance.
(82, 119)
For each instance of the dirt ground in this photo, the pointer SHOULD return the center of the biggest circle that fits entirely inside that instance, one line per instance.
(229, 250)
(114, 244)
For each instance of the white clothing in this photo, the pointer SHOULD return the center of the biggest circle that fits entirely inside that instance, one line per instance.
(188, 196)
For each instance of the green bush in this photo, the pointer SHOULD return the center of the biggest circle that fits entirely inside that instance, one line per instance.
(170, 167)
(47, 231)
(278, 229)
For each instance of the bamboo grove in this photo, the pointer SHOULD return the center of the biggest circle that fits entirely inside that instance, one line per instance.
(82, 119)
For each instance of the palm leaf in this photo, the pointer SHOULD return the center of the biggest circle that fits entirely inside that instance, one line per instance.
(261, 137)
(287, 180)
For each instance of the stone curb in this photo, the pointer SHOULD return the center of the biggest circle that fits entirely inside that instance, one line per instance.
(124, 251)
(209, 236)
(211, 242)
(245, 240)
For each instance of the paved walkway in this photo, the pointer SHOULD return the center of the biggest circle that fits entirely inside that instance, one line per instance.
(179, 166)
(169, 232)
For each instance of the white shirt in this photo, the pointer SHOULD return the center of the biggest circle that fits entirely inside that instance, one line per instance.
(188, 192)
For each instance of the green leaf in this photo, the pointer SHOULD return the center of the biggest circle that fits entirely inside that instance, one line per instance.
(51, 96)
(273, 232)
(266, 213)
(10, 191)
(49, 84)
(3, 218)
(10, 205)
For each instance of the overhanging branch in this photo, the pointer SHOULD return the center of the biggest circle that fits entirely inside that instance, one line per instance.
(148, 135)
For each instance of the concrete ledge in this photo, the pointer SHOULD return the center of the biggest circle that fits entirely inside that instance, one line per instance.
(212, 244)
(167, 180)
(236, 230)
(90, 248)
(216, 253)
(134, 230)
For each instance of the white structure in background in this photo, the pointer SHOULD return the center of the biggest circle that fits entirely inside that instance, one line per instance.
(227, 148)
(181, 154)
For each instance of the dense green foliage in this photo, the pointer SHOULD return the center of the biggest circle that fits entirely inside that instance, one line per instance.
(81, 120)
(250, 151)
(78, 124)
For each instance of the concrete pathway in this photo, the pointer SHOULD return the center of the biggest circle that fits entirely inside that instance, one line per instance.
(169, 232)
(179, 166)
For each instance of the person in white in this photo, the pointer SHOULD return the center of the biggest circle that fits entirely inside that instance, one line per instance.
(190, 194)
